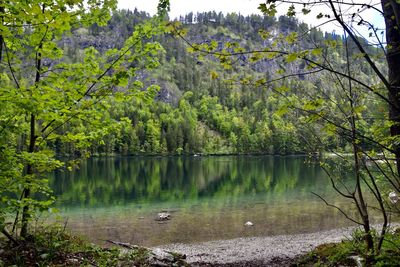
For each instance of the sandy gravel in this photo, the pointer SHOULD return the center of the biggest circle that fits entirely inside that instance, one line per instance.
(256, 251)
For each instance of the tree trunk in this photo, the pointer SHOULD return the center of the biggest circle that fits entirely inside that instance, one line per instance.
(391, 11)
(29, 172)
(1, 36)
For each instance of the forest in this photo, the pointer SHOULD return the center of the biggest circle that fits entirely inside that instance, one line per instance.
(202, 107)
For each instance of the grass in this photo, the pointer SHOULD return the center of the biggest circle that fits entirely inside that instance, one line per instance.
(346, 252)
(53, 246)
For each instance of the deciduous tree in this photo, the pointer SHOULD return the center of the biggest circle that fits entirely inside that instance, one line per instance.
(41, 92)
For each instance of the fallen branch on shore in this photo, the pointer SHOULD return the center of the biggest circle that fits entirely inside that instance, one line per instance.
(122, 244)
(158, 257)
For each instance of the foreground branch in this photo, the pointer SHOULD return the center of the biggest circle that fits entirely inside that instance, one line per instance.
(9, 236)
(339, 209)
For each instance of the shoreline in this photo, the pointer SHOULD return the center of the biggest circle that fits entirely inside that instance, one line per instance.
(279, 250)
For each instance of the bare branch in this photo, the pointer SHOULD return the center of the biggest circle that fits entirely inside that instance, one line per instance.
(350, 194)
(312, 62)
(378, 197)
(98, 79)
(292, 75)
(360, 47)
(9, 236)
(339, 209)
(10, 66)
(323, 2)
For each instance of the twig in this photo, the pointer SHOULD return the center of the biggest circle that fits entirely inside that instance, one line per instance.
(317, 64)
(339, 209)
(10, 66)
(9, 236)
(65, 224)
(122, 244)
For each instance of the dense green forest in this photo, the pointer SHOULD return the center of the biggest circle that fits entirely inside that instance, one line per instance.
(204, 107)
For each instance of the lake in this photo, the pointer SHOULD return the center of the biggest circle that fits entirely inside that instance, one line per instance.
(209, 198)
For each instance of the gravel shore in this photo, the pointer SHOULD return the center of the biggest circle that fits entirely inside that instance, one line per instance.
(278, 250)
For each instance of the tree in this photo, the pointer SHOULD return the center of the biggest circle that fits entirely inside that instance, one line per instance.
(346, 118)
(41, 92)
(353, 89)
(390, 12)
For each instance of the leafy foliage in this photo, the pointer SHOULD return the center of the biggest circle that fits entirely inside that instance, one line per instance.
(53, 246)
(348, 252)
(46, 98)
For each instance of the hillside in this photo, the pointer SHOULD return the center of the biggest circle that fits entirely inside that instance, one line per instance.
(206, 106)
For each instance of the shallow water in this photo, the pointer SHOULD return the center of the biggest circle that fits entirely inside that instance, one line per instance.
(209, 198)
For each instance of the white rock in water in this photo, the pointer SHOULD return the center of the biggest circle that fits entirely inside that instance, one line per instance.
(248, 224)
(393, 197)
(163, 216)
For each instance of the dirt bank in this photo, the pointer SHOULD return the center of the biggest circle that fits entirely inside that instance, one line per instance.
(256, 251)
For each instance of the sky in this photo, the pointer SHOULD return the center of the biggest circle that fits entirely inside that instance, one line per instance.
(182, 7)
(246, 7)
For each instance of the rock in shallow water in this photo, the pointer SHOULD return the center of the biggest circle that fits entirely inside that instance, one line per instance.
(163, 216)
(248, 224)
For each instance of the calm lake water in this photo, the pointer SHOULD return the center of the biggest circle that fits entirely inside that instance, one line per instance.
(209, 198)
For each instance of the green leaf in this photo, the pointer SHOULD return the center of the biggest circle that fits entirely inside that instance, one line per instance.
(214, 75)
(264, 34)
(316, 51)
(330, 129)
(269, 9)
(292, 37)
(260, 82)
(291, 11)
(305, 11)
(282, 110)
(291, 57)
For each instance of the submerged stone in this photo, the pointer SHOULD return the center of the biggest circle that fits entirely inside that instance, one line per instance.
(248, 224)
(163, 216)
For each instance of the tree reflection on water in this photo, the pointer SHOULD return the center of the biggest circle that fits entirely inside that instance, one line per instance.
(209, 198)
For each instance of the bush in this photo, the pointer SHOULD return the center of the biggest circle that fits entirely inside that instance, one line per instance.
(53, 246)
(346, 252)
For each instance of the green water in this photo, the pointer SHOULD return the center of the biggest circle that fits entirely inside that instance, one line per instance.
(209, 198)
